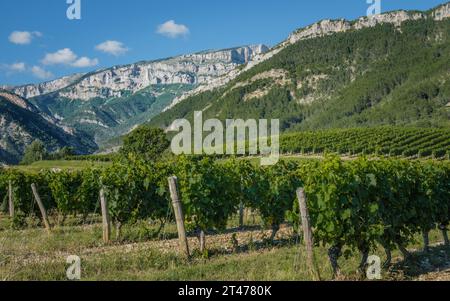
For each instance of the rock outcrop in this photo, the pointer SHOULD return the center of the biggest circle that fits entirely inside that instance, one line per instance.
(196, 69)
(397, 18)
(29, 91)
(442, 12)
(17, 100)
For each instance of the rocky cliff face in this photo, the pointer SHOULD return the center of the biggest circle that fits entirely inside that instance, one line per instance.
(18, 101)
(441, 12)
(29, 91)
(327, 27)
(199, 68)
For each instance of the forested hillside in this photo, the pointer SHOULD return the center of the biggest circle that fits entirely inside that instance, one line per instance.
(102, 118)
(21, 123)
(384, 75)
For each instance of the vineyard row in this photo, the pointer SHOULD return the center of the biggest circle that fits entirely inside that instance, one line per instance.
(356, 204)
(388, 141)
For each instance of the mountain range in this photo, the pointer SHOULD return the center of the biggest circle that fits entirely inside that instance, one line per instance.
(391, 68)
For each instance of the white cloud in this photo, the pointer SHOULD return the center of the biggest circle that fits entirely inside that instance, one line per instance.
(67, 57)
(173, 30)
(10, 69)
(115, 48)
(17, 67)
(23, 37)
(84, 62)
(41, 73)
(64, 57)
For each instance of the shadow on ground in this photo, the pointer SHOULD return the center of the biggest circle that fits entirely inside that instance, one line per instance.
(431, 265)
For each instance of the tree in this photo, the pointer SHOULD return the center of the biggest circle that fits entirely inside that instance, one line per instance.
(34, 152)
(63, 153)
(66, 151)
(145, 142)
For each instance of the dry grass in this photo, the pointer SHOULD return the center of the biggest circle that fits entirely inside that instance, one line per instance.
(236, 254)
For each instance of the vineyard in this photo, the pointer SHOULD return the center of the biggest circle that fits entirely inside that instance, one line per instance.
(387, 141)
(390, 141)
(354, 206)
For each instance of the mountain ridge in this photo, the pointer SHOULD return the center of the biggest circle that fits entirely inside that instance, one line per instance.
(110, 102)
(353, 87)
(317, 29)
(321, 29)
(223, 56)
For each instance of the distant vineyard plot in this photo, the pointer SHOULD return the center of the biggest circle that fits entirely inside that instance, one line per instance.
(390, 141)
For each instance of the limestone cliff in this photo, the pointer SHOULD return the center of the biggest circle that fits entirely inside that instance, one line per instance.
(199, 68)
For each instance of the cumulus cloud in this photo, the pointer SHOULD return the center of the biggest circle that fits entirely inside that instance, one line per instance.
(10, 69)
(64, 57)
(84, 62)
(17, 67)
(173, 30)
(23, 37)
(67, 57)
(115, 48)
(20, 67)
(41, 73)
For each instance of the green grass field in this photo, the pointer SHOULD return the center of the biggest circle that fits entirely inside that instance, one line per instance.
(82, 164)
(61, 164)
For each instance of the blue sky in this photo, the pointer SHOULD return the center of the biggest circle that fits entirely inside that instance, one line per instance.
(39, 42)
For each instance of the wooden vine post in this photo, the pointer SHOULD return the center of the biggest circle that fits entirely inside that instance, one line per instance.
(179, 216)
(241, 208)
(307, 234)
(241, 215)
(10, 200)
(443, 229)
(426, 241)
(202, 238)
(105, 217)
(41, 207)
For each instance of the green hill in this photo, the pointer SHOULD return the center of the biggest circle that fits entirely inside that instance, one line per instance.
(104, 119)
(382, 75)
